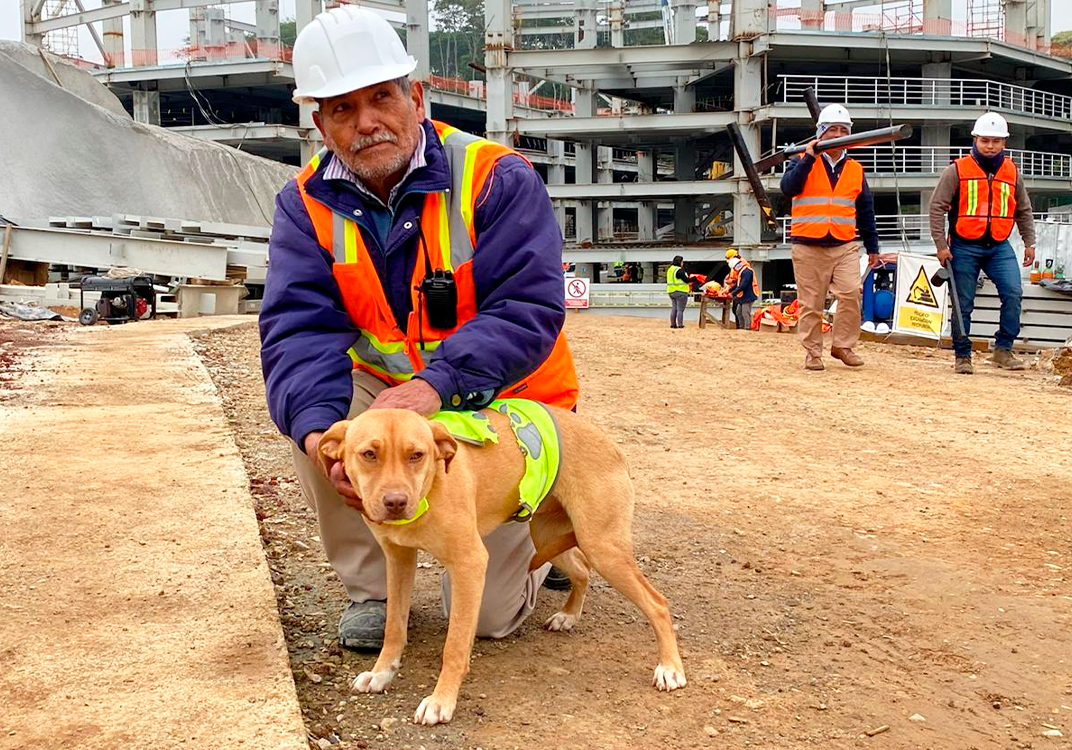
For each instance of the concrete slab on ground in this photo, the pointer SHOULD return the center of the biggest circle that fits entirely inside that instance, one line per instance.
(136, 606)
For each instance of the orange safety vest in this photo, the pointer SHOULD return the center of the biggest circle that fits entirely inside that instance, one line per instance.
(734, 276)
(449, 239)
(985, 202)
(822, 210)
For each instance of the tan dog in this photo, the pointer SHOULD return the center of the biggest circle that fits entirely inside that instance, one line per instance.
(396, 457)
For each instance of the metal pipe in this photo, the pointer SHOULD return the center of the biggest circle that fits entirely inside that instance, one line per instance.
(866, 138)
(751, 173)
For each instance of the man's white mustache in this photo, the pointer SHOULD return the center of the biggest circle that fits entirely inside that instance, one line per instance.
(382, 137)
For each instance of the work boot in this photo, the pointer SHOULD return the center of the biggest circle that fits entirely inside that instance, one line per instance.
(814, 363)
(964, 366)
(361, 626)
(557, 580)
(848, 356)
(1004, 359)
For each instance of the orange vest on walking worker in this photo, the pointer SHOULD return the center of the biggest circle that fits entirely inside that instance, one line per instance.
(447, 244)
(823, 209)
(985, 202)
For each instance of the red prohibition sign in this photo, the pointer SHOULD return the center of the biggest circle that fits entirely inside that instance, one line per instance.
(576, 288)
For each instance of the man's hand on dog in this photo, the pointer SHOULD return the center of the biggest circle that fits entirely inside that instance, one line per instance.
(335, 470)
(416, 395)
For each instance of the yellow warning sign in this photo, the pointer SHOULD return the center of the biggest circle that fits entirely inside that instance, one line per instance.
(911, 320)
(921, 292)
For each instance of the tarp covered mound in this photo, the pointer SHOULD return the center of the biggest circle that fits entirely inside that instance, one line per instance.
(74, 151)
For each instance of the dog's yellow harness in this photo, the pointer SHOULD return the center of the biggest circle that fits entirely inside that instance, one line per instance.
(536, 434)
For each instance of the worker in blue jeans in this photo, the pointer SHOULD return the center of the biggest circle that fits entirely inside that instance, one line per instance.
(984, 197)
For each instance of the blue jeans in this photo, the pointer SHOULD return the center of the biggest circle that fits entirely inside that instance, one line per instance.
(1000, 265)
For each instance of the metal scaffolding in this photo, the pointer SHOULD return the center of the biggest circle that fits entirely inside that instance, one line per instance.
(622, 105)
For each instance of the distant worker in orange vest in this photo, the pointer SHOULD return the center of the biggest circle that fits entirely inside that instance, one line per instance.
(414, 266)
(983, 194)
(745, 292)
(832, 211)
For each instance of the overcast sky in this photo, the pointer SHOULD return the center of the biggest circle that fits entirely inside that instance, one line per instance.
(173, 26)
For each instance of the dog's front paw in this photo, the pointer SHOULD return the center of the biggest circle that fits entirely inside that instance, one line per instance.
(372, 682)
(560, 621)
(434, 711)
(668, 678)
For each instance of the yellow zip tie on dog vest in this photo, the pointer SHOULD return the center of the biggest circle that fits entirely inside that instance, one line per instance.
(536, 434)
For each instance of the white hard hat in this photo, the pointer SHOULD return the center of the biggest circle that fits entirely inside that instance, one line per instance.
(834, 114)
(346, 49)
(991, 125)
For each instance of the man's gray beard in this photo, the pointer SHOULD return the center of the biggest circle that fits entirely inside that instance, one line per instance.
(369, 172)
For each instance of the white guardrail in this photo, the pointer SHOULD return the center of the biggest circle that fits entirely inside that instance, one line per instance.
(879, 160)
(928, 92)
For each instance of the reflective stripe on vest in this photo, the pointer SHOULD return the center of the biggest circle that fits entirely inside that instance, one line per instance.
(673, 284)
(448, 237)
(823, 209)
(985, 202)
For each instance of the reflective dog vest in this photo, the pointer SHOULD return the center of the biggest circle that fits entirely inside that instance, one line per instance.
(537, 437)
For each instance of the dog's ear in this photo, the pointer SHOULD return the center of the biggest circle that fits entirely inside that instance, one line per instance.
(446, 445)
(329, 449)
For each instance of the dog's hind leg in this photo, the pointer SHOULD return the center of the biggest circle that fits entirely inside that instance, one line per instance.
(574, 564)
(401, 568)
(606, 540)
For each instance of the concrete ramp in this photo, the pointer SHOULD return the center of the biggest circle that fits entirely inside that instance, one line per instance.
(67, 151)
(136, 607)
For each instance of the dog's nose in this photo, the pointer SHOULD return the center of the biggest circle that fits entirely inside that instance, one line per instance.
(394, 501)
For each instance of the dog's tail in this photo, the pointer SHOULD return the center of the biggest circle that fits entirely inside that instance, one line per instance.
(552, 550)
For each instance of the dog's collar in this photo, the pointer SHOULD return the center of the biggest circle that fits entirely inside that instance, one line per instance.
(422, 508)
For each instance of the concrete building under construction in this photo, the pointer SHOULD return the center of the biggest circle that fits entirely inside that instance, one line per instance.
(636, 155)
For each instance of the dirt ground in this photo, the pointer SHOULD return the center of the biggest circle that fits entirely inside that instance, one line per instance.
(844, 552)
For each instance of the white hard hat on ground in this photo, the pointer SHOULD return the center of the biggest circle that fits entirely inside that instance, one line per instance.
(346, 49)
(834, 114)
(991, 125)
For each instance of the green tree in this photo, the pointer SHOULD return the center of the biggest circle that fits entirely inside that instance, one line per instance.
(288, 32)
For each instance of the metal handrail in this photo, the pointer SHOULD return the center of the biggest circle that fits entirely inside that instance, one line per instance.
(879, 160)
(915, 227)
(928, 92)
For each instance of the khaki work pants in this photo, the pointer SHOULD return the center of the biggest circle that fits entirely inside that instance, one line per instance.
(819, 270)
(509, 589)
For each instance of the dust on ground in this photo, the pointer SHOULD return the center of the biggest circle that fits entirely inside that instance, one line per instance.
(843, 551)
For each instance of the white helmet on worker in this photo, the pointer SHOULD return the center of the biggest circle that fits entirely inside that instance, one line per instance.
(346, 49)
(991, 125)
(834, 114)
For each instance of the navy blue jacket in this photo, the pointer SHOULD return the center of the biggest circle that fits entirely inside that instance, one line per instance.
(517, 271)
(796, 175)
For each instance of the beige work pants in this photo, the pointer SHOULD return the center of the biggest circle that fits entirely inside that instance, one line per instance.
(509, 590)
(819, 270)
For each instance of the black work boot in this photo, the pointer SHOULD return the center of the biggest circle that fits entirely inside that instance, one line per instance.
(557, 580)
(361, 626)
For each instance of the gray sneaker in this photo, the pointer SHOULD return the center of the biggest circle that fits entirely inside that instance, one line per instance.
(361, 626)
(1005, 359)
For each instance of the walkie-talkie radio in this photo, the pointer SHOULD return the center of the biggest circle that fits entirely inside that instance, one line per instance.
(438, 293)
(441, 298)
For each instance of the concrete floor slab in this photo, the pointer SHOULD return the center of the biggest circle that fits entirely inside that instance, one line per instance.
(136, 606)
